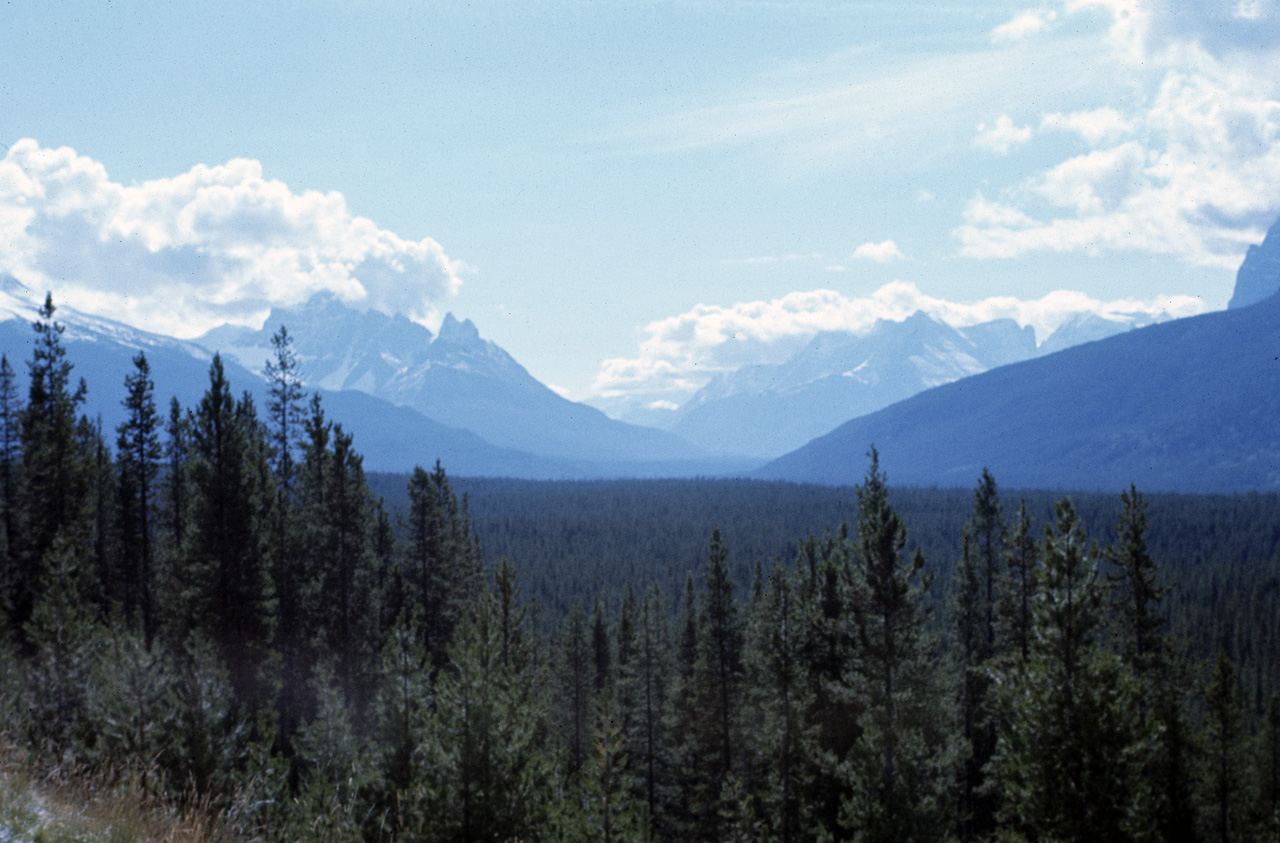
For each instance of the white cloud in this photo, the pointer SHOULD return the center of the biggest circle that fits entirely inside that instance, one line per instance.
(217, 243)
(1192, 169)
(1095, 127)
(1023, 25)
(681, 353)
(1002, 136)
(879, 252)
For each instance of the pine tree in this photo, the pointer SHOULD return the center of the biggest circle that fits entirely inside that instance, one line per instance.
(486, 773)
(983, 543)
(1136, 588)
(228, 538)
(1268, 767)
(1137, 595)
(827, 592)
(900, 768)
(289, 576)
(1224, 797)
(601, 649)
(348, 570)
(178, 430)
(138, 445)
(643, 686)
(441, 565)
(575, 687)
(55, 469)
(11, 485)
(1018, 588)
(718, 675)
(782, 697)
(1070, 758)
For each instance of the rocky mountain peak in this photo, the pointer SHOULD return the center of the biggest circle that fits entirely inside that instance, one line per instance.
(453, 332)
(1259, 275)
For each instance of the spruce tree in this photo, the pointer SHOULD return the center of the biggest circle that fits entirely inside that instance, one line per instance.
(1017, 589)
(138, 446)
(11, 494)
(485, 771)
(782, 697)
(1070, 758)
(441, 563)
(601, 649)
(1268, 767)
(54, 467)
(1224, 797)
(284, 414)
(178, 431)
(227, 547)
(716, 738)
(1139, 627)
(575, 687)
(981, 561)
(899, 770)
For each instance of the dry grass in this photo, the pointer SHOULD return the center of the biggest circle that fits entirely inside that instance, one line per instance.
(65, 803)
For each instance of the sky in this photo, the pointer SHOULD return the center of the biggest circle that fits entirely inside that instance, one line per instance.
(632, 196)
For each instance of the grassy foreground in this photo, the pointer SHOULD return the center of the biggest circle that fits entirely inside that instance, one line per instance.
(66, 804)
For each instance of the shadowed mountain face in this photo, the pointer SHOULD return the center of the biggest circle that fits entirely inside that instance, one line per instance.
(456, 378)
(1259, 275)
(1188, 405)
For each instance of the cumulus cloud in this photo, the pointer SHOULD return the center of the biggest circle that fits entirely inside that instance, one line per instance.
(680, 354)
(1200, 181)
(1023, 25)
(1095, 126)
(879, 252)
(217, 243)
(1001, 136)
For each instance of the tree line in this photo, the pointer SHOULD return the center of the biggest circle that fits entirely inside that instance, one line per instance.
(220, 604)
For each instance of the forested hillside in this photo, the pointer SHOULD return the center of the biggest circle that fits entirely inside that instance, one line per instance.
(213, 601)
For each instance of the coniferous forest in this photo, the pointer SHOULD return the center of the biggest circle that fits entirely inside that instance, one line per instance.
(214, 599)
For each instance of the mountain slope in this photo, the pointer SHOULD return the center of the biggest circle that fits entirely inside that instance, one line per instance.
(456, 378)
(768, 410)
(1187, 405)
(391, 438)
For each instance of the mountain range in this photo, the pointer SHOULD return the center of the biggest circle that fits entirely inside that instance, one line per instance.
(1189, 405)
(767, 410)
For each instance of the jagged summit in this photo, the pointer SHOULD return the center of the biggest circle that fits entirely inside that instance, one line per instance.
(457, 378)
(1259, 275)
(454, 332)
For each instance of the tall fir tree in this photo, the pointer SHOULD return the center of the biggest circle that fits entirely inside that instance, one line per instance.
(576, 695)
(1018, 588)
(718, 696)
(228, 538)
(138, 447)
(975, 613)
(11, 486)
(56, 470)
(900, 769)
(782, 697)
(1137, 595)
(441, 564)
(1224, 798)
(1070, 758)
(289, 577)
(486, 773)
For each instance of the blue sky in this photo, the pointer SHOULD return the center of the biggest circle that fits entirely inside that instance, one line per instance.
(632, 196)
